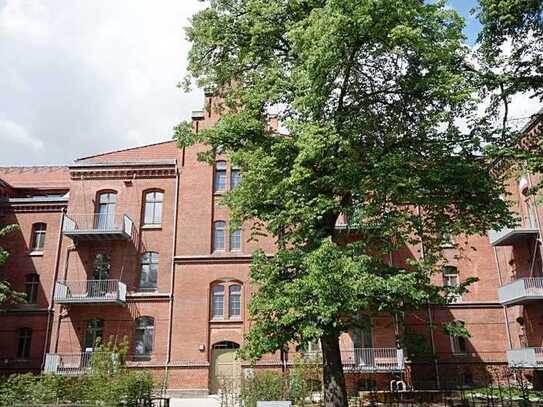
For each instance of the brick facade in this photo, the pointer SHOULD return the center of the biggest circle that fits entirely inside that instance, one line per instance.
(184, 332)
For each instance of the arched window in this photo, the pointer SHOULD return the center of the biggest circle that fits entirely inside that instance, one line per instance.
(459, 344)
(145, 331)
(235, 177)
(149, 271)
(153, 208)
(234, 301)
(95, 330)
(217, 302)
(220, 176)
(218, 235)
(24, 338)
(32, 282)
(101, 266)
(235, 240)
(105, 210)
(38, 236)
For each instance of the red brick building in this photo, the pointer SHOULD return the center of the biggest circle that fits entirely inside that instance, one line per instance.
(135, 243)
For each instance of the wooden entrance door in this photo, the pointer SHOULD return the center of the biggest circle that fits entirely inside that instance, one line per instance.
(225, 367)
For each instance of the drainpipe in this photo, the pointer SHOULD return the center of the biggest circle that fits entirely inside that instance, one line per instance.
(68, 251)
(540, 237)
(172, 281)
(507, 330)
(50, 308)
(430, 321)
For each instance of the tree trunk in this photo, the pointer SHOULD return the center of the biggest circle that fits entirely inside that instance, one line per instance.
(335, 394)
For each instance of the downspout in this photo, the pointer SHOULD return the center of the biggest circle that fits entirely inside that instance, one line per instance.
(505, 316)
(430, 321)
(172, 282)
(540, 237)
(50, 308)
(68, 251)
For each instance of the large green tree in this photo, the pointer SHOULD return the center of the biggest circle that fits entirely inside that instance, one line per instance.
(511, 58)
(371, 93)
(6, 291)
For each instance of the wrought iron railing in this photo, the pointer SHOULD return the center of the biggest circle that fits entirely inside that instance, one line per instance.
(364, 359)
(90, 291)
(67, 363)
(98, 223)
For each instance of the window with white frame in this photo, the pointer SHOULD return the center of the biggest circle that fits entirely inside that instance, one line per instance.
(234, 301)
(220, 176)
(149, 271)
(105, 210)
(451, 282)
(24, 339)
(235, 177)
(217, 302)
(145, 331)
(38, 237)
(458, 343)
(218, 235)
(153, 208)
(235, 240)
(32, 282)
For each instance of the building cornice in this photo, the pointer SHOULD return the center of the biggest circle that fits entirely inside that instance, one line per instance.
(124, 169)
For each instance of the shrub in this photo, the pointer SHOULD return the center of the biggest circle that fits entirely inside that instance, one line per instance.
(108, 383)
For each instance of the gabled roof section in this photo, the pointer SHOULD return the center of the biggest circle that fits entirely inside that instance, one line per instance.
(165, 150)
(36, 177)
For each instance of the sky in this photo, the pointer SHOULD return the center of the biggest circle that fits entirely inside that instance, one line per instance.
(81, 77)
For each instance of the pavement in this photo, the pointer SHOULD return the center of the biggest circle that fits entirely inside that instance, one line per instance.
(210, 401)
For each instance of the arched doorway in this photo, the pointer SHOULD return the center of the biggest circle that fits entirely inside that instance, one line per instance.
(225, 366)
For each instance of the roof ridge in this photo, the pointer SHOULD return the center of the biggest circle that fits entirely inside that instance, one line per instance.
(124, 149)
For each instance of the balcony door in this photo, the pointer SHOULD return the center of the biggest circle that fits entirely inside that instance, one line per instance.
(105, 211)
(101, 266)
(95, 330)
(363, 346)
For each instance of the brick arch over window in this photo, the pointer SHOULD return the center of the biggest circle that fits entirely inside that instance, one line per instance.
(226, 299)
(153, 202)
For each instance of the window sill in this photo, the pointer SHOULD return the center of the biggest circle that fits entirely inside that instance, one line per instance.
(151, 227)
(36, 253)
(226, 321)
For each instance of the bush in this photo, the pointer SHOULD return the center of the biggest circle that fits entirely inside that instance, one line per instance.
(274, 386)
(108, 383)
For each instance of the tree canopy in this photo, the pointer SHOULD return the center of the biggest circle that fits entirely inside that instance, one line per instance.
(372, 95)
(6, 291)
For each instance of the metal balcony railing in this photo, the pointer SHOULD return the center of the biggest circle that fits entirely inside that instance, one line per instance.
(373, 359)
(509, 237)
(521, 291)
(90, 291)
(67, 363)
(525, 358)
(365, 359)
(98, 226)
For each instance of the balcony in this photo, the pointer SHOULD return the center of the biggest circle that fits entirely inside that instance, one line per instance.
(510, 237)
(67, 363)
(521, 291)
(525, 358)
(370, 360)
(373, 360)
(98, 227)
(90, 292)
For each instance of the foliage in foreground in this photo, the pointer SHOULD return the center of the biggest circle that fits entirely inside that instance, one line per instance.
(109, 383)
(372, 94)
(6, 291)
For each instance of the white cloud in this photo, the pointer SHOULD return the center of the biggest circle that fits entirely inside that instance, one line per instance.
(11, 132)
(92, 76)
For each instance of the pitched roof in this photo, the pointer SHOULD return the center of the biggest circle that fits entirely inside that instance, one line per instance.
(36, 177)
(165, 150)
